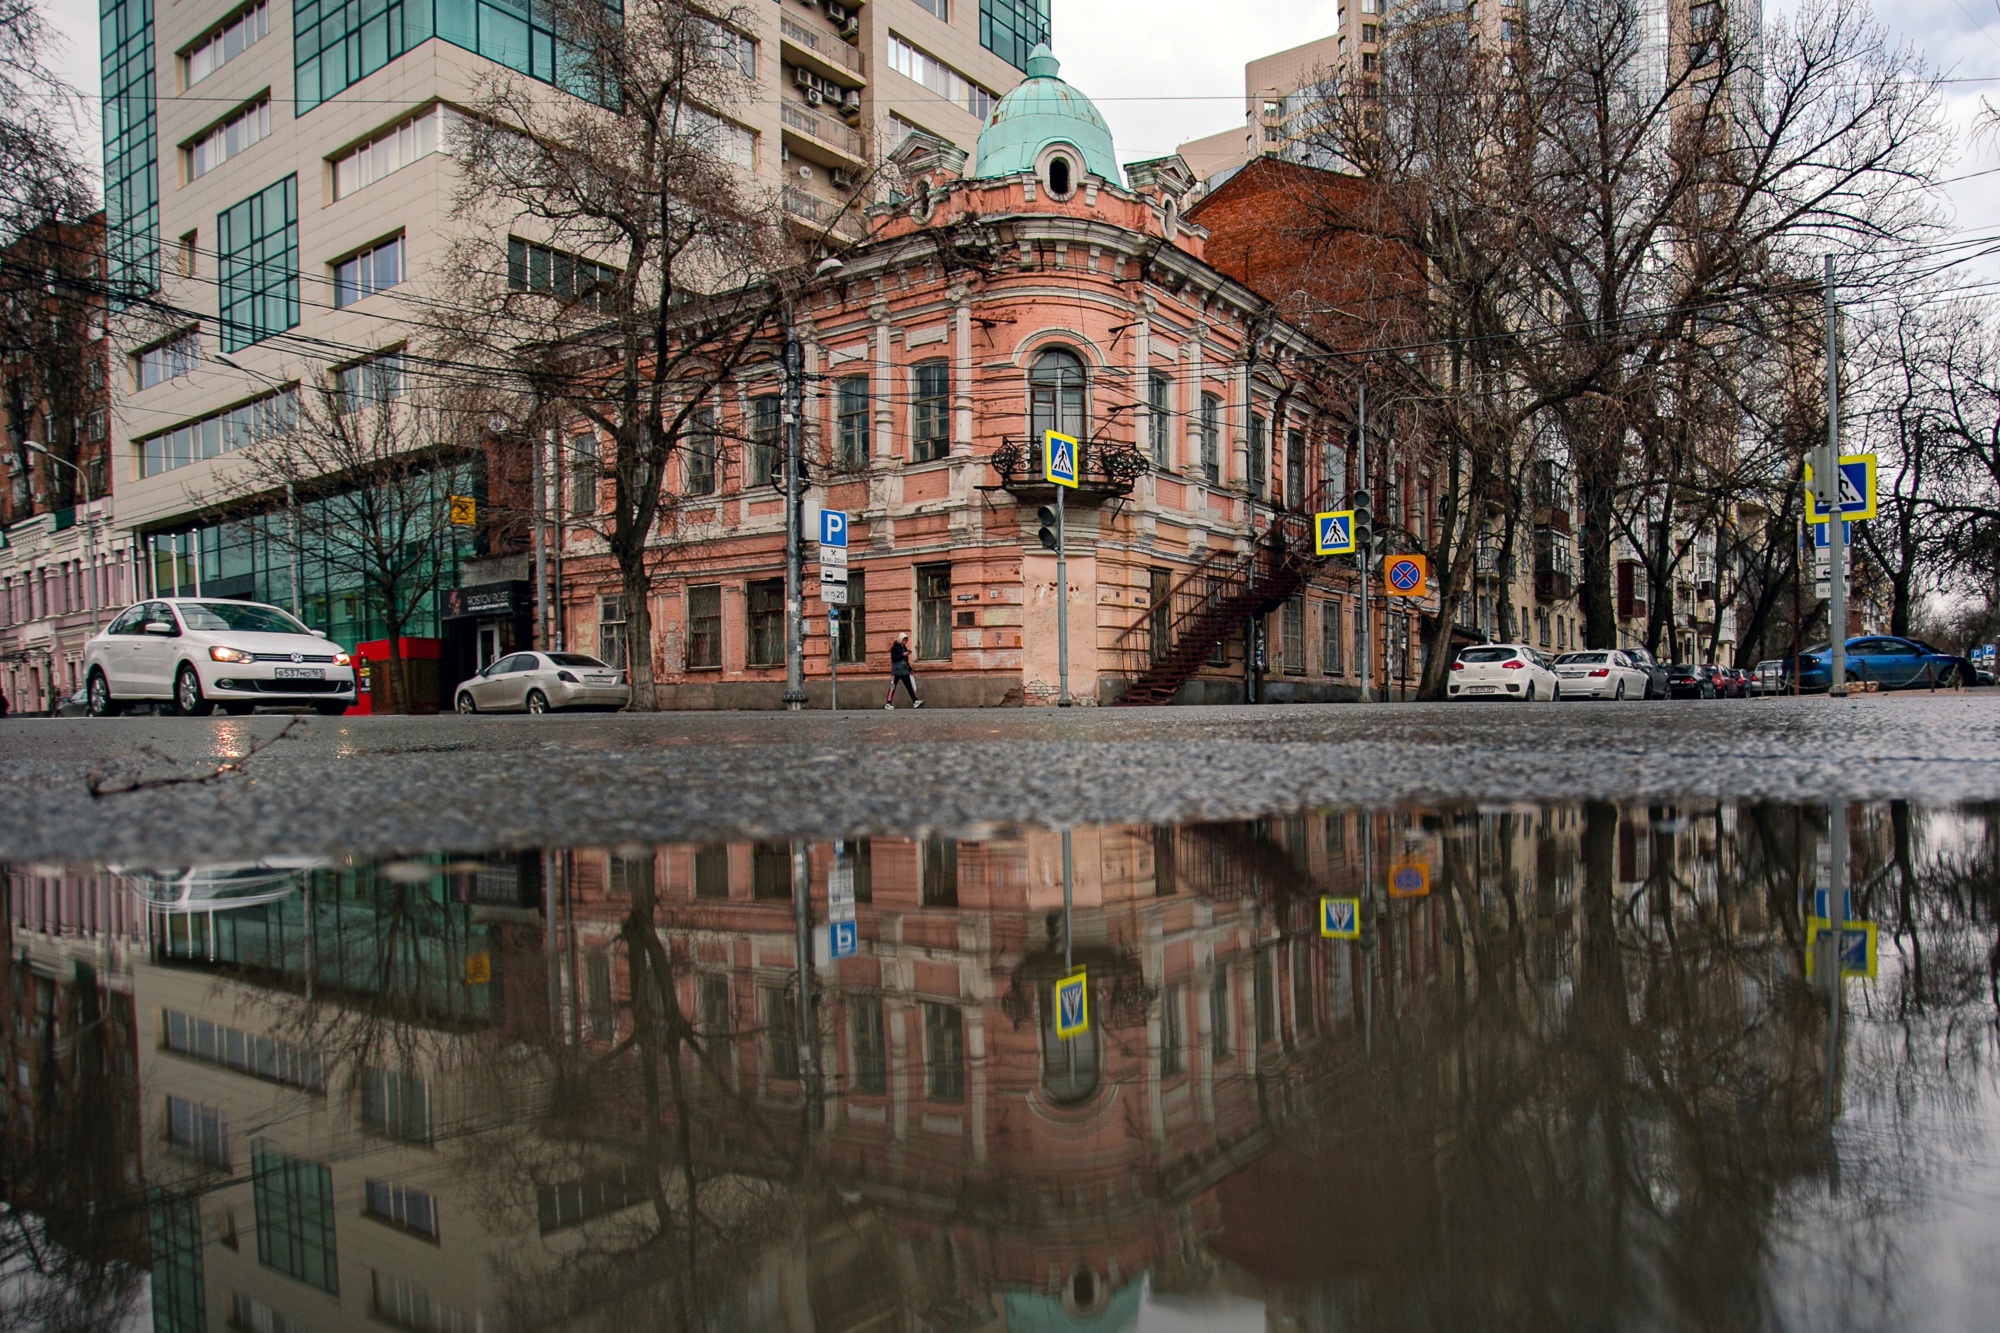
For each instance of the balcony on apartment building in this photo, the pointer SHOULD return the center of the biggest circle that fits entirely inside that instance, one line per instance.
(819, 213)
(817, 135)
(818, 45)
(1555, 562)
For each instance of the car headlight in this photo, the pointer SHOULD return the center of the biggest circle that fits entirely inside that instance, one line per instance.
(342, 659)
(221, 654)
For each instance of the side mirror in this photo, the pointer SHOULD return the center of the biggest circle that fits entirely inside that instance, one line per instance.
(158, 627)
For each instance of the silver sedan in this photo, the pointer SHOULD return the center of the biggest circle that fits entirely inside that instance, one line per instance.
(543, 682)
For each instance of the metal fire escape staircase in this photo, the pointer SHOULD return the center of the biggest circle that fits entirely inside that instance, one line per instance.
(1211, 602)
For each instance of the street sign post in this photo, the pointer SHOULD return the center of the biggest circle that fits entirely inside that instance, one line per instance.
(1857, 489)
(1333, 533)
(462, 511)
(1072, 1006)
(842, 936)
(1857, 947)
(1340, 918)
(1403, 575)
(1062, 461)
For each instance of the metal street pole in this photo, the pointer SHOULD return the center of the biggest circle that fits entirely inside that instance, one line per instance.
(808, 1045)
(1062, 618)
(795, 630)
(1829, 502)
(833, 657)
(540, 485)
(1363, 557)
(1836, 918)
(1069, 947)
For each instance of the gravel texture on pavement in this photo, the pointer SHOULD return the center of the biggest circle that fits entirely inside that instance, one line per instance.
(186, 790)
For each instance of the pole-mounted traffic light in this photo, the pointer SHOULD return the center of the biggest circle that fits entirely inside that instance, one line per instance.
(1047, 518)
(1364, 521)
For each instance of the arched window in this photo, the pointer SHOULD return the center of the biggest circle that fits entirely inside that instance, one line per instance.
(1059, 176)
(1055, 396)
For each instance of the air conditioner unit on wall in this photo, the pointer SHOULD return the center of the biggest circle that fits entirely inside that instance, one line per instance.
(836, 11)
(841, 180)
(851, 28)
(814, 97)
(850, 102)
(804, 77)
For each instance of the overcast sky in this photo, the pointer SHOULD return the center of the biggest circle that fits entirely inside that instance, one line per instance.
(1165, 71)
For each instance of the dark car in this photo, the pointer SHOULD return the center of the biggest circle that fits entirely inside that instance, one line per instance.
(1686, 681)
(1656, 675)
(1738, 681)
(1890, 661)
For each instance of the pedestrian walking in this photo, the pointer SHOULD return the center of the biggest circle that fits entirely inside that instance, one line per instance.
(899, 672)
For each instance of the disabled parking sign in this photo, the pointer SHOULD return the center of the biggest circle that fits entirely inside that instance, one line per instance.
(1333, 533)
(1072, 1006)
(1340, 918)
(1403, 576)
(1059, 459)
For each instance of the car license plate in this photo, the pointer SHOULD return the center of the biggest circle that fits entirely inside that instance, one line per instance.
(297, 673)
(602, 680)
(1482, 689)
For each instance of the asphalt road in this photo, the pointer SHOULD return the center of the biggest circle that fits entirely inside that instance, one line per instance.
(179, 790)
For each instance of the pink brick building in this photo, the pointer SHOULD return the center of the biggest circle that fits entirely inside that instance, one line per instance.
(1035, 291)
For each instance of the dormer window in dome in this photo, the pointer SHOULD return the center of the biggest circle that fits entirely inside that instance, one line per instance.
(1059, 170)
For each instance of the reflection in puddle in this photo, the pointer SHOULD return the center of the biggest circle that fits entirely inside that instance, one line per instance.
(1572, 1070)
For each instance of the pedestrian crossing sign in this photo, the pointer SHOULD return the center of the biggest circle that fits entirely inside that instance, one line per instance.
(1857, 489)
(1857, 947)
(1060, 455)
(462, 511)
(1340, 918)
(1072, 1006)
(1333, 534)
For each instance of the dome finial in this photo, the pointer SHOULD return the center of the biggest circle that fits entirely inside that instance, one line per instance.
(1042, 62)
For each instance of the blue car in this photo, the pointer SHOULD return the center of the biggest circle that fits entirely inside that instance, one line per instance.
(1892, 662)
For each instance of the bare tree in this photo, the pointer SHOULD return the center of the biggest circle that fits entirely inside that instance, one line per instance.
(625, 269)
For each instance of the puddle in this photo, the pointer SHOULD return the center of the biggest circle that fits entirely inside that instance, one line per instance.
(1565, 1066)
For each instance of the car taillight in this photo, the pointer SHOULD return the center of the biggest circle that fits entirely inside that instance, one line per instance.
(565, 676)
(1601, 671)
(1458, 666)
(1513, 666)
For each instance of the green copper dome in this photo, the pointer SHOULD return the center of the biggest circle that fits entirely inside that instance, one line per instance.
(1043, 110)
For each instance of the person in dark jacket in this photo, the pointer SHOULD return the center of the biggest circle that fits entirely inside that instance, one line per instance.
(899, 672)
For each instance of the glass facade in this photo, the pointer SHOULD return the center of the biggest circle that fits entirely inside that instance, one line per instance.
(131, 147)
(257, 265)
(294, 1204)
(251, 557)
(1010, 28)
(337, 43)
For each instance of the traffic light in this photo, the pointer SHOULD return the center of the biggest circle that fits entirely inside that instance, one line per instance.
(1364, 521)
(1047, 516)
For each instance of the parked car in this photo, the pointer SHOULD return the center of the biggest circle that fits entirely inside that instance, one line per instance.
(1770, 677)
(199, 654)
(1736, 682)
(76, 705)
(1600, 674)
(1687, 681)
(1656, 675)
(1503, 671)
(544, 682)
(1891, 661)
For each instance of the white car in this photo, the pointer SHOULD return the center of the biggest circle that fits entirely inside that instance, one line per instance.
(543, 682)
(1502, 671)
(1600, 674)
(197, 654)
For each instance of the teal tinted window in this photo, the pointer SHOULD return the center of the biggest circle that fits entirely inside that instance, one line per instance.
(131, 147)
(337, 43)
(257, 265)
(174, 1222)
(1010, 28)
(294, 1203)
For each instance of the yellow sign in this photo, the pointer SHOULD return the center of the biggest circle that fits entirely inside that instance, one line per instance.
(1062, 459)
(1857, 489)
(1409, 879)
(1404, 575)
(1340, 918)
(464, 511)
(478, 969)
(1333, 532)
(1072, 1006)
(1857, 947)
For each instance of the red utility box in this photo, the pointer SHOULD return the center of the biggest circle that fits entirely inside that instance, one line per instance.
(420, 662)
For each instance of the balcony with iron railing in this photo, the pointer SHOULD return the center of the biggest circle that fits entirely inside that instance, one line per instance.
(820, 47)
(821, 137)
(1110, 470)
(821, 212)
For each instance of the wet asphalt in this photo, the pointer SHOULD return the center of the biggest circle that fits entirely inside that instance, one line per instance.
(170, 790)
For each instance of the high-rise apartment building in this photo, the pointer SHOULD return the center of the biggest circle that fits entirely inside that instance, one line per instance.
(279, 192)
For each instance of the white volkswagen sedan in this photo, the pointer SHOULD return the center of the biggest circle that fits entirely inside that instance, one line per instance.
(542, 682)
(1600, 674)
(1502, 671)
(199, 654)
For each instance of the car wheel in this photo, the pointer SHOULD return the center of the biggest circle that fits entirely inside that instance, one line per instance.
(188, 700)
(464, 703)
(537, 702)
(1531, 691)
(329, 708)
(101, 702)
(1620, 695)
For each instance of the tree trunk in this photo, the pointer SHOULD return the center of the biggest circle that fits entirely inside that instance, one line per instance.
(635, 589)
(1899, 602)
(396, 678)
(1600, 605)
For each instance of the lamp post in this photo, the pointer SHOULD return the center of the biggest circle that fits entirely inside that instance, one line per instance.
(793, 412)
(89, 524)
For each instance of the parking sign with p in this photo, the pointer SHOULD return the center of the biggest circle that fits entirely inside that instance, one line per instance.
(833, 527)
